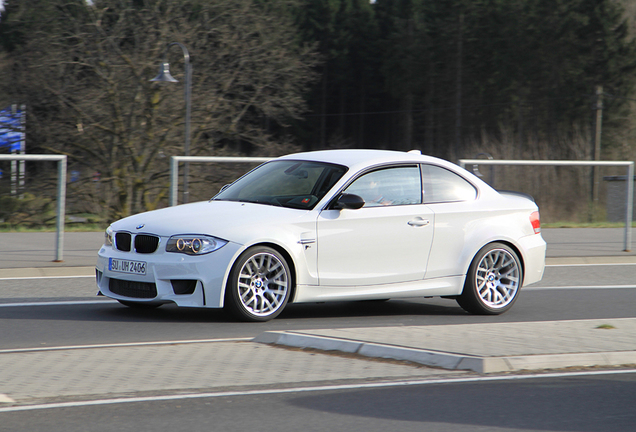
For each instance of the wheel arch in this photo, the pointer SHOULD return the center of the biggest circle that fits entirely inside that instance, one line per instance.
(278, 248)
(512, 246)
(475, 301)
(508, 243)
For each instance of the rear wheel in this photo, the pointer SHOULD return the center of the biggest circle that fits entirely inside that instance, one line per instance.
(493, 281)
(259, 285)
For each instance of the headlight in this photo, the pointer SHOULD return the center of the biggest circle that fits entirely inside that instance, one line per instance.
(194, 244)
(108, 237)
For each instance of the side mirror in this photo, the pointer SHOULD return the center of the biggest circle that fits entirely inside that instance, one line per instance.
(348, 201)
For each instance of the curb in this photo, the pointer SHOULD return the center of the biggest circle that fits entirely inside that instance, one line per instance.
(450, 361)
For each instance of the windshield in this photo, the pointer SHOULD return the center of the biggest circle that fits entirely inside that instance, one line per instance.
(293, 184)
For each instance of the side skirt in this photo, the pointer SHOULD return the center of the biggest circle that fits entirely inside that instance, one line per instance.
(446, 286)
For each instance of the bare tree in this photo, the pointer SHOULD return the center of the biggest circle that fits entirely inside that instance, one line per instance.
(85, 73)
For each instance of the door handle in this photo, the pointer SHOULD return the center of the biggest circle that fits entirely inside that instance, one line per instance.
(418, 222)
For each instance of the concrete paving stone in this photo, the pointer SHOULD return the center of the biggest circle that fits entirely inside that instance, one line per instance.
(586, 242)
(494, 339)
(76, 287)
(47, 272)
(483, 348)
(92, 372)
(37, 249)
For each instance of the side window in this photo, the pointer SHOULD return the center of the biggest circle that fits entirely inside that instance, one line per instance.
(389, 186)
(442, 185)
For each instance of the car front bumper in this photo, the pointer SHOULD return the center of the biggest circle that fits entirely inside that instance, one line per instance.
(194, 281)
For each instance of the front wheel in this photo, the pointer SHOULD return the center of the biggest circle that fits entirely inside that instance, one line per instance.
(493, 281)
(259, 285)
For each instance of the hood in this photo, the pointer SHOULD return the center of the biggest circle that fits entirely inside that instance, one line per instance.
(223, 219)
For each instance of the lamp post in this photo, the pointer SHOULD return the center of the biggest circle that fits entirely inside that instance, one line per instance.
(164, 76)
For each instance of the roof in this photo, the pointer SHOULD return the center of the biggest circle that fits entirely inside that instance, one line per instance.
(354, 158)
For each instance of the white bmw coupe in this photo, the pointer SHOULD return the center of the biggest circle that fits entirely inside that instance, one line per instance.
(330, 225)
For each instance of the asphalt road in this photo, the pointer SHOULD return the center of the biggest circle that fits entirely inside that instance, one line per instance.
(585, 403)
(41, 312)
(65, 311)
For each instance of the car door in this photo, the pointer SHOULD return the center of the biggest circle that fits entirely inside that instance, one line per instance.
(386, 241)
(453, 199)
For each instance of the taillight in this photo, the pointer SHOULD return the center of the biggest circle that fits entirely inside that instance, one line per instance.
(535, 220)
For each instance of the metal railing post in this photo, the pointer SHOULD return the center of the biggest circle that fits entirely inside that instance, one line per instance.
(629, 214)
(61, 209)
(174, 180)
(61, 194)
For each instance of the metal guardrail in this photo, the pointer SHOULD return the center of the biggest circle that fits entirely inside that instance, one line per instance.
(174, 168)
(630, 184)
(174, 184)
(61, 194)
(174, 175)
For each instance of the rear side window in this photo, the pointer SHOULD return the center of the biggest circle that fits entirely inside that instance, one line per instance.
(389, 187)
(442, 185)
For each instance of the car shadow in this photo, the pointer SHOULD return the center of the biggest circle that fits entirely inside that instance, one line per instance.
(543, 405)
(170, 313)
(370, 308)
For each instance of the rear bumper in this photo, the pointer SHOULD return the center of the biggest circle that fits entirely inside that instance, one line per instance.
(534, 248)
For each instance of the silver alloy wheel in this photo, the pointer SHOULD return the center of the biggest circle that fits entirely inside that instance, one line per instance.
(263, 283)
(497, 278)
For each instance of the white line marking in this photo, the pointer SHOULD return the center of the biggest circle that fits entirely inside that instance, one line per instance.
(308, 389)
(58, 303)
(120, 345)
(590, 265)
(581, 287)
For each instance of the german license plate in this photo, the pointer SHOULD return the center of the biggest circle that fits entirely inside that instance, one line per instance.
(127, 266)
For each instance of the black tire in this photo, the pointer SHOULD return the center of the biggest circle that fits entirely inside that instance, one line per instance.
(493, 281)
(259, 286)
(139, 305)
